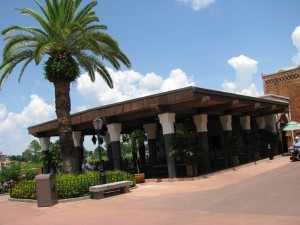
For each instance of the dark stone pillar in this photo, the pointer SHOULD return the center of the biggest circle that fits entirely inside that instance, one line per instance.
(110, 157)
(78, 148)
(248, 144)
(226, 121)
(114, 130)
(45, 142)
(152, 151)
(79, 158)
(170, 159)
(150, 129)
(46, 161)
(116, 153)
(200, 121)
(204, 160)
(227, 139)
(167, 121)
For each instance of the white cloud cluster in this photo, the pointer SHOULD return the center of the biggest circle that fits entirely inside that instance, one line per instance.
(128, 85)
(13, 126)
(2, 111)
(197, 5)
(296, 42)
(244, 68)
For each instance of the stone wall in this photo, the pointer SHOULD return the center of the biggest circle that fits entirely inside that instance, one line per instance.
(285, 83)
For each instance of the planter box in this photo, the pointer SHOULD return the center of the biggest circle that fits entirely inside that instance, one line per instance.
(139, 178)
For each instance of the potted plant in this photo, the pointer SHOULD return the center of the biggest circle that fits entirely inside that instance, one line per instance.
(184, 146)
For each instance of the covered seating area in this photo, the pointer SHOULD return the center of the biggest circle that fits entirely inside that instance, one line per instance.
(217, 117)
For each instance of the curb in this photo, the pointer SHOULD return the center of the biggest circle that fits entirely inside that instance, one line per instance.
(204, 176)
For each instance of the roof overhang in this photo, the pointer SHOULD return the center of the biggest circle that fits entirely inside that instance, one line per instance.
(183, 102)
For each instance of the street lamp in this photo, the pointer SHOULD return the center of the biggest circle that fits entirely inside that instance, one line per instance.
(98, 122)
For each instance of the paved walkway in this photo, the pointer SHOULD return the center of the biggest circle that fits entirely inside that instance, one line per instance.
(263, 193)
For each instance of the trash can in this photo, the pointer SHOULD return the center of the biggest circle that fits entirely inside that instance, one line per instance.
(270, 152)
(46, 190)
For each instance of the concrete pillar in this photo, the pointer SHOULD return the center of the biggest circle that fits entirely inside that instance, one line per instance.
(150, 129)
(45, 142)
(78, 145)
(167, 121)
(200, 121)
(114, 130)
(226, 122)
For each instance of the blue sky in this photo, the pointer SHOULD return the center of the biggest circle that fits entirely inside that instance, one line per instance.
(216, 44)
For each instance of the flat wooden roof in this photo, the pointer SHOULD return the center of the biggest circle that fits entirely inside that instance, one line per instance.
(183, 102)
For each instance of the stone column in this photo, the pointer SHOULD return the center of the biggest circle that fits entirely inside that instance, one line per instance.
(109, 151)
(200, 121)
(246, 124)
(261, 123)
(45, 142)
(271, 123)
(226, 122)
(78, 147)
(167, 121)
(114, 130)
(150, 129)
(271, 126)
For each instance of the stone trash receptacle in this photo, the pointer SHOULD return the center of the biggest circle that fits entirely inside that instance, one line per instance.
(46, 190)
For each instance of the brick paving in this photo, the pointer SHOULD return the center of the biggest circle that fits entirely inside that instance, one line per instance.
(261, 193)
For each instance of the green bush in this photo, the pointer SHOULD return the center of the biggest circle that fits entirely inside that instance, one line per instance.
(70, 186)
(30, 174)
(10, 172)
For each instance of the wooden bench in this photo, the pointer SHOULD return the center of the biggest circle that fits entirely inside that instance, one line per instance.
(98, 190)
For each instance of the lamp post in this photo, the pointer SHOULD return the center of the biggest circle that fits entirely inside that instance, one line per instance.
(98, 122)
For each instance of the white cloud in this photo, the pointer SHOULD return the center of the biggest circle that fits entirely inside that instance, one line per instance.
(177, 79)
(296, 42)
(197, 4)
(245, 68)
(2, 111)
(13, 126)
(128, 85)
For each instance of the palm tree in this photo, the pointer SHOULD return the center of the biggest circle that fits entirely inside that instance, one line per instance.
(72, 38)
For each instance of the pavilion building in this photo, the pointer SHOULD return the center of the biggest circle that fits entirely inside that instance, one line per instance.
(217, 117)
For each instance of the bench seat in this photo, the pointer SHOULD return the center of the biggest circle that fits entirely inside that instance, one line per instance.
(98, 190)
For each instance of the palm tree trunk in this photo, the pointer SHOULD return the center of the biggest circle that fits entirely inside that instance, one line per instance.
(63, 107)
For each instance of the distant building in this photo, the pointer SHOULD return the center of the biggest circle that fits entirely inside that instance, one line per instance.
(4, 160)
(285, 83)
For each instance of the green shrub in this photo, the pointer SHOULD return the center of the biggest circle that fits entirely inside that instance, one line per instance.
(30, 174)
(70, 186)
(10, 172)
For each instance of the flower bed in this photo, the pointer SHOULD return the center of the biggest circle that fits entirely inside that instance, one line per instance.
(70, 186)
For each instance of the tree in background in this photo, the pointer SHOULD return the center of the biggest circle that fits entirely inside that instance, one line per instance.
(32, 153)
(136, 140)
(55, 160)
(71, 38)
